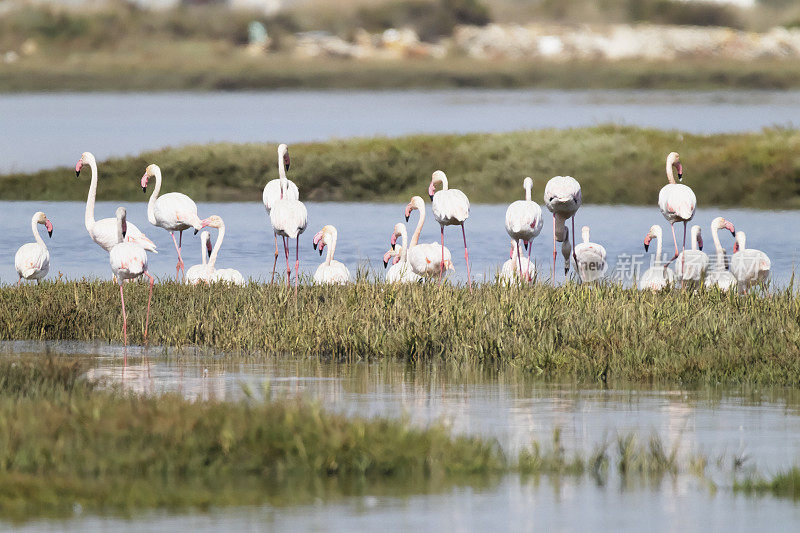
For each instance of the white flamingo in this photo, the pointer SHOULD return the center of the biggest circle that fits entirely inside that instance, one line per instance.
(450, 208)
(272, 192)
(590, 258)
(129, 261)
(289, 219)
(104, 231)
(32, 260)
(425, 259)
(331, 272)
(400, 271)
(748, 265)
(516, 269)
(691, 265)
(676, 201)
(228, 275)
(562, 196)
(524, 221)
(198, 273)
(657, 276)
(173, 211)
(719, 276)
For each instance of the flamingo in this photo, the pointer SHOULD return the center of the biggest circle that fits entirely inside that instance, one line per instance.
(272, 192)
(719, 275)
(562, 196)
(289, 219)
(590, 258)
(524, 221)
(173, 211)
(657, 276)
(424, 259)
(748, 265)
(450, 208)
(331, 272)
(676, 201)
(129, 261)
(515, 268)
(400, 271)
(32, 260)
(104, 231)
(228, 275)
(198, 273)
(691, 265)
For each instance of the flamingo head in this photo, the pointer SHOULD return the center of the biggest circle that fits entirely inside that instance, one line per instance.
(397, 257)
(393, 239)
(149, 172)
(386, 257)
(721, 223)
(283, 153)
(42, 219)
(86, 159)
(647, 240)
(674, 160)
(437, 178)
(319, 240)
(214, 221)
(431, 190)
(416, 203)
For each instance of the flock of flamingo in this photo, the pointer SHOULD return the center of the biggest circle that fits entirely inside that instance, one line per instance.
(411, 261)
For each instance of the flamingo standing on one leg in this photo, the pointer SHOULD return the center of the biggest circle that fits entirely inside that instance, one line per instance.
(450, 208)
(425, 259)
(104, 231)
(562, 196)
(272, 193)
(173, 211)
(719, 276)
(129, 261)
(657, 276)
(289, 219)
(524, 222)
(676, 201)
(32, 260)
(331, 272)
(748, 265)
(590, 258)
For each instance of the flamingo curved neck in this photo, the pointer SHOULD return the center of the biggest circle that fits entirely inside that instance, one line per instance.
(331, 249)
(658, 248)
(443, 180)
(527, 194)
(213, 259)
(120, 237)
(718, 247)
(418, 229)
(88, 217)
(670, 176)
(36, 234)
(282, 173)
(203, 256)
(151, 205)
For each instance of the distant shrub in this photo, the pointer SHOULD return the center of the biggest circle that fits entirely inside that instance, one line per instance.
(430, 19)
(683, 13)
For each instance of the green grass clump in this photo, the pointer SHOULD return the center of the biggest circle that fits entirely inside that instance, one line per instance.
(605, 332)
(64, 442)
(615, 165)
(785, 484)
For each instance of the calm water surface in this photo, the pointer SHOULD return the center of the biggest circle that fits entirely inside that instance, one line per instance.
(53, 129)
(762, 424)
(364, 230)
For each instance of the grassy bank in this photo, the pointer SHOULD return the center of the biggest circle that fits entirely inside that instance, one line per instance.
(574, 331)
(211, 66)
(63, 443)
(615, 165)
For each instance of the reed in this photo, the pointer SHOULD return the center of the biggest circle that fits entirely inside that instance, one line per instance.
(589, 333)
(615, 165)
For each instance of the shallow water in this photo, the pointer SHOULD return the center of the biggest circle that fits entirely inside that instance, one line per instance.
(761, 424)
(364, 230)
(54, 129)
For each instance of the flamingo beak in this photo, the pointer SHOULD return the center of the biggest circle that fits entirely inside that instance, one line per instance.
(208, 248)
(525, 243)
(700, 243)
(735, 247)
(393, 240)
(408, 212)
(680, 170)
(124, 229)
(431, 190)
(386, 257)
(144, 184)
(78, 167)
(286, 161)
(730, 228)
(49, 226)
(647, 242)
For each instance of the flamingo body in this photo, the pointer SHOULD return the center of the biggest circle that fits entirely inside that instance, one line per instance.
(562, 196)
(510, 271)
(590, 259)
(331, 272)
(201, 272)
(289, 217)
(749, 266)
(32, 260)
(228, 275)
(677, 202)
(272, 192)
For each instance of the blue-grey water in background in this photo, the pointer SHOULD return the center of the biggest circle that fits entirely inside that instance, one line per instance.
(364, 230)
(46, 130)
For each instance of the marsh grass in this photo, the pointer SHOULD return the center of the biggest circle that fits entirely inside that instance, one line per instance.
(615, 165)
(785, 484)
(588, 333)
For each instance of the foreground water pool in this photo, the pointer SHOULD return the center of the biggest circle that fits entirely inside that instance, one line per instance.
(364, 230)
(761, 425)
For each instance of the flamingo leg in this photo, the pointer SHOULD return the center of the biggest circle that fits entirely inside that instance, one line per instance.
(179, 267)
(149, 299)
(674, 240)
(124, 315)
(519, 260)
(296, 264)
(553, 272)
(528, 266)
(19, 281)
(574, 238)
(286, 251)
(683, 258)
(441, 264)
(466, 256)
(275, 264)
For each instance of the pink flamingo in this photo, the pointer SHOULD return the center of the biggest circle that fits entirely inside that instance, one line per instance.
(450, 208)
